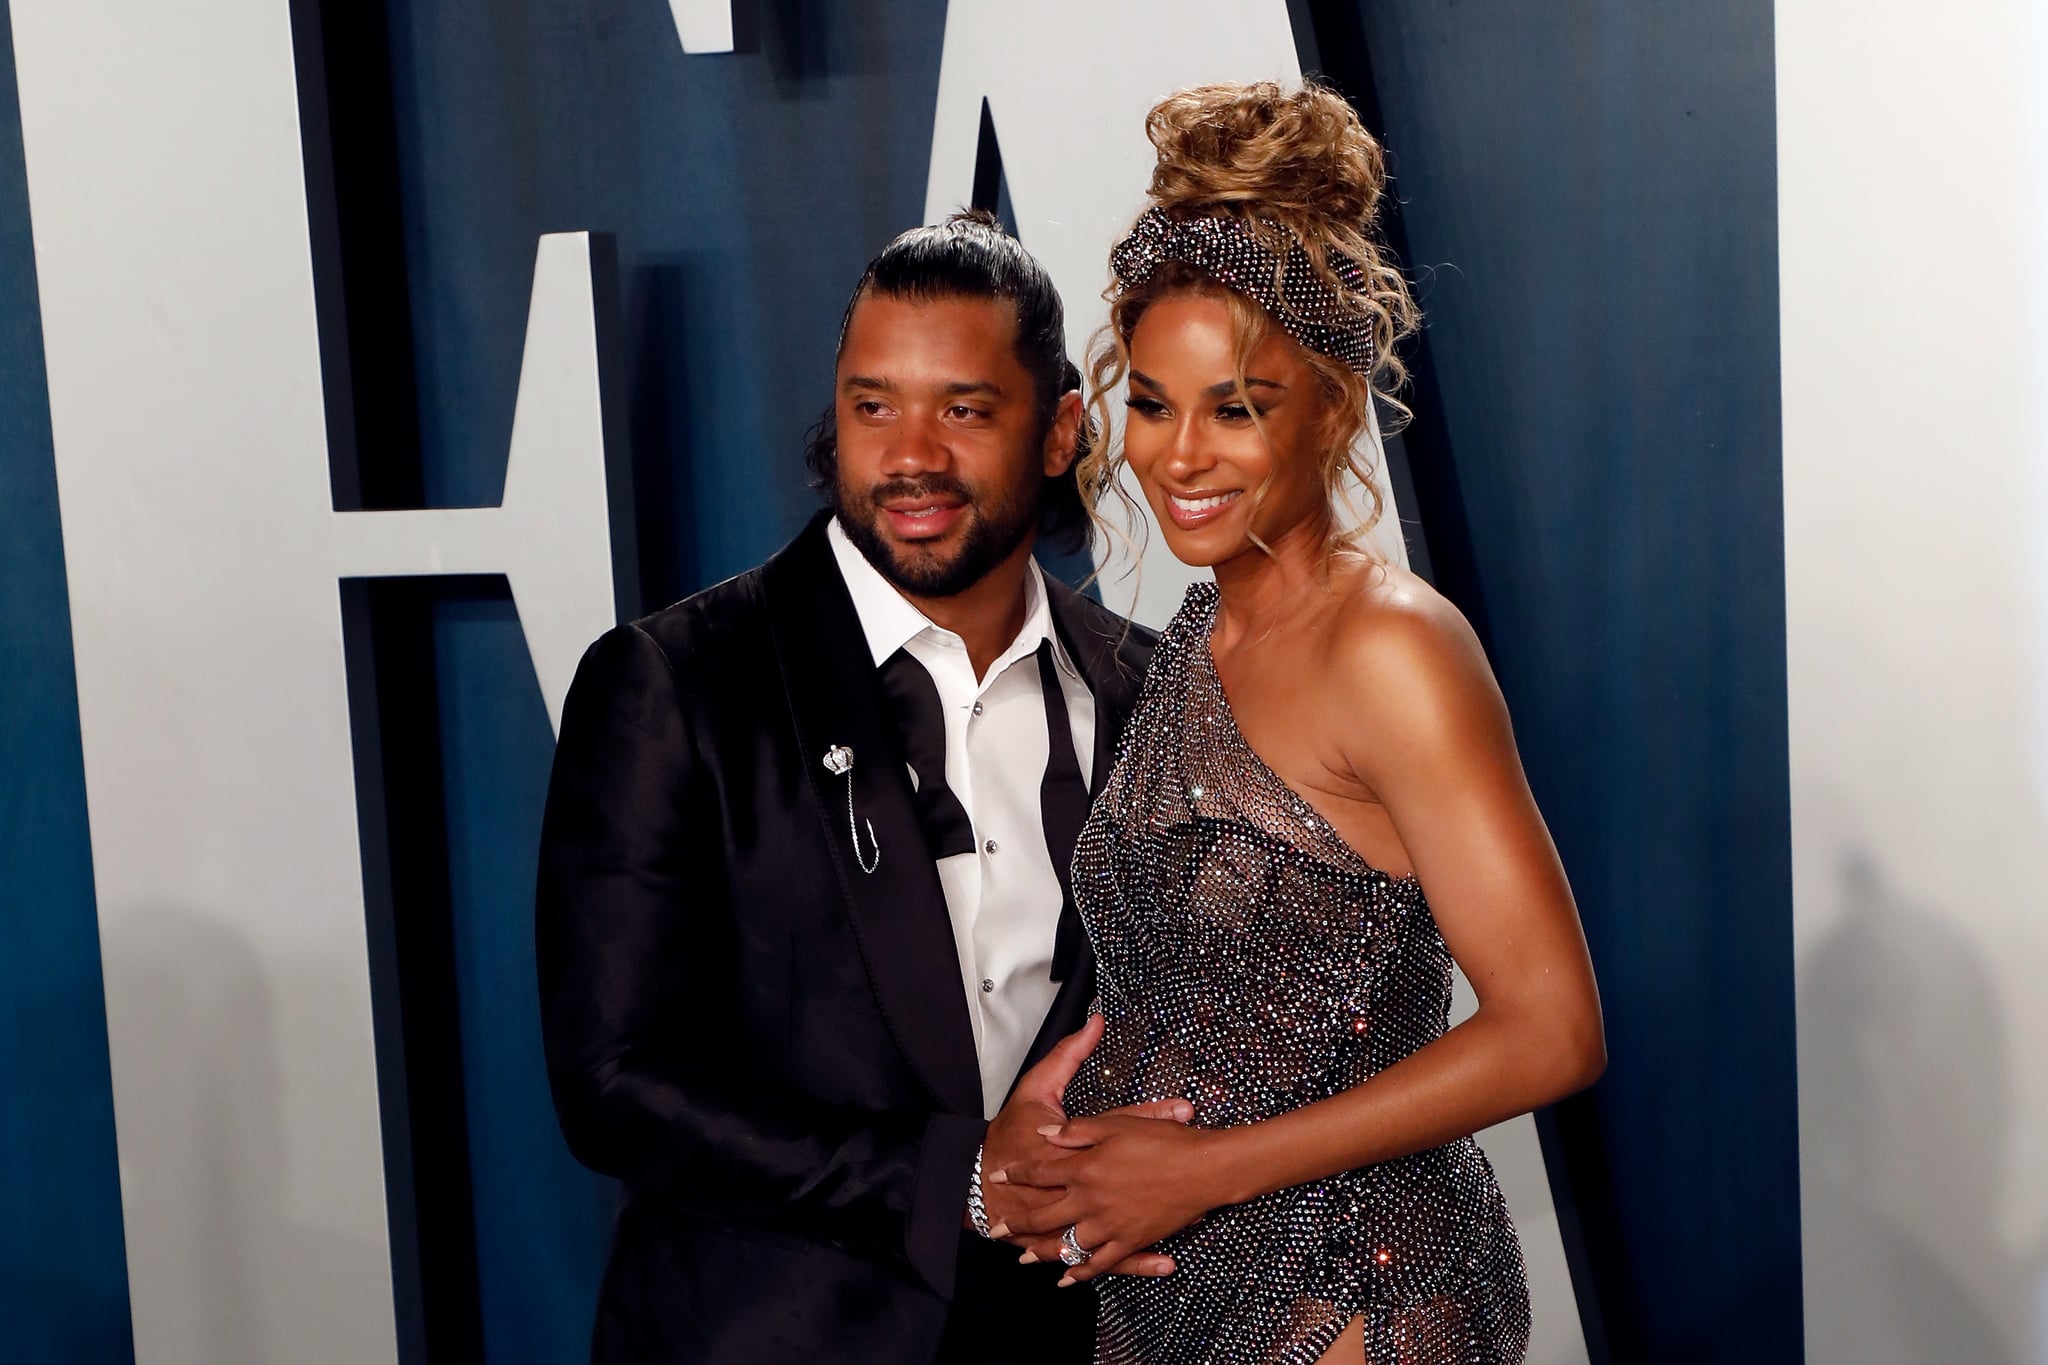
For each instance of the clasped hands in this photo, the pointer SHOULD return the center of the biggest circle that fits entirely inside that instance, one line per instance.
(1123, 1179)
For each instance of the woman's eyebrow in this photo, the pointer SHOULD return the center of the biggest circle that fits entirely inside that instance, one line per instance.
(1229, 386)
(1222, 390)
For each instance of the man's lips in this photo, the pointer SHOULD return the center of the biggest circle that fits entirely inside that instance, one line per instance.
(921, 518)
(1192, 509)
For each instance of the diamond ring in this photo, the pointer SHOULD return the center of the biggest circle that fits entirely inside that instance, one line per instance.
(1071, 1250)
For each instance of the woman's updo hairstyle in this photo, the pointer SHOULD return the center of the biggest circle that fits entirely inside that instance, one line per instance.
(1297, 170)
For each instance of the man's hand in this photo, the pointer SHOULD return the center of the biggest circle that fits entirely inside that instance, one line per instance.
(1014, 1139)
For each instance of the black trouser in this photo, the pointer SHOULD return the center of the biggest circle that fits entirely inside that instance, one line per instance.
(1010, 1314)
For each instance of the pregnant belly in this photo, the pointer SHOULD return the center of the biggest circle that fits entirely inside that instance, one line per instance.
(1250, 1068)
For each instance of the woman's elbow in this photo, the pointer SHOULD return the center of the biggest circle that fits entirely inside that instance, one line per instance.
(1581, 1052)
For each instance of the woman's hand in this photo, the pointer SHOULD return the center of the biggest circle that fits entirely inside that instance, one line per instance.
(1019, 1134)
(1128, 1182)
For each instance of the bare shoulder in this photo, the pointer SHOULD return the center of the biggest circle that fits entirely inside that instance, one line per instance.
(1407, 664)
(1392, 628)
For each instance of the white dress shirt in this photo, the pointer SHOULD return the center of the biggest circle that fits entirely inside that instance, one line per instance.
(1004, 897)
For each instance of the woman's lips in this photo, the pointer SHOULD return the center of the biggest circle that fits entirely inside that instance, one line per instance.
(922, 520)
(1191, 510)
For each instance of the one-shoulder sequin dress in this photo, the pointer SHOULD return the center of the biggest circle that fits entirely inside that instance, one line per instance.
(1252, 962)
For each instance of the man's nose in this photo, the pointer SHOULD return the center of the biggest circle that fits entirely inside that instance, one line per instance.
(917, 445)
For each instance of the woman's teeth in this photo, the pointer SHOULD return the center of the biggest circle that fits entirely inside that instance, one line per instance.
(1201, 504)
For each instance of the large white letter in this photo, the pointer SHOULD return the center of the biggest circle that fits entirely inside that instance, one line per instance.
(201, 546)
(709, 26)
(550, 536)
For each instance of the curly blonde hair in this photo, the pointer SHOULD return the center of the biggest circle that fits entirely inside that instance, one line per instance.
(1294, 163)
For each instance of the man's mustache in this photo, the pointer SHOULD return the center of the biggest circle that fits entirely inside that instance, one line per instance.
(929, 486)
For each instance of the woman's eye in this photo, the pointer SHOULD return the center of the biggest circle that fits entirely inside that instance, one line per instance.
(1234, 412)
(1149, 407)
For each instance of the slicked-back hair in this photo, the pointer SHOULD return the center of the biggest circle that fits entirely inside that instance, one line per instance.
(969, 256)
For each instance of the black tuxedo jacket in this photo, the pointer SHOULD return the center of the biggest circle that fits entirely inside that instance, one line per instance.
(765, 1043)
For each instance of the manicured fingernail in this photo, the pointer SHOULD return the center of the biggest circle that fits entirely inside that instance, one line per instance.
(1066, 1280)
(997, 1177)
(1028, 1258)
(999, 1231)
(1050, 1130)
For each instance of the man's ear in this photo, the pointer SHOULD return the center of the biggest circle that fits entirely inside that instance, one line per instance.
(1061, 441)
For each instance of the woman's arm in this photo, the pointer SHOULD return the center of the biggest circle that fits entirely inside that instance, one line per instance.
(1430, 737)
(1421, 724)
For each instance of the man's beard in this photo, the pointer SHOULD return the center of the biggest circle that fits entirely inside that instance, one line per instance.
(994, 530)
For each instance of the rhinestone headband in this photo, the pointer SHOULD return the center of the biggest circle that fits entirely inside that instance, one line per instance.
(1229, 251)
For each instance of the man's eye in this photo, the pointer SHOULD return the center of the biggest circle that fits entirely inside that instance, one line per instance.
(960, 412)
(868, 407)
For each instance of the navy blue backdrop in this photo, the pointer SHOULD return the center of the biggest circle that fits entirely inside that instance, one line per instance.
(1591, 211)
(1589, 204)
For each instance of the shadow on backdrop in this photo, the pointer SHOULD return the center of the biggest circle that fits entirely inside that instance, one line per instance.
(1906, 1122)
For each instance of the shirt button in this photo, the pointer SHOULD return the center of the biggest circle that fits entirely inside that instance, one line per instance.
(987, 985)
(977, 708)
(989, 847)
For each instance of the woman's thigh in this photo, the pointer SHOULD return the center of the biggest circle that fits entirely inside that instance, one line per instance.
(1349, 1347)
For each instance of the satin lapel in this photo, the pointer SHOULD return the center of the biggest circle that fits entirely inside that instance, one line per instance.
(898, 910)
(1110, 665)
(1111, 661)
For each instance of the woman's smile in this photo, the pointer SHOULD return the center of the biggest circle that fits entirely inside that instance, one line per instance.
(1190, 510)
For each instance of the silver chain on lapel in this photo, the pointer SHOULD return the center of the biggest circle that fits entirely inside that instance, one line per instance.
(839, 759)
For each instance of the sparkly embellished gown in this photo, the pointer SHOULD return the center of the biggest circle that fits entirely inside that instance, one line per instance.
(1252, 962)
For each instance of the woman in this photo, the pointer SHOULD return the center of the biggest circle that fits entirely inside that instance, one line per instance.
(1317, 808)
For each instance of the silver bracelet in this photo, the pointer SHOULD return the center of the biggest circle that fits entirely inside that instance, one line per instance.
(976, 1210)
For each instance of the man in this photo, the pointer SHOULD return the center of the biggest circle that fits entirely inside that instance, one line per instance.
(803, 914)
